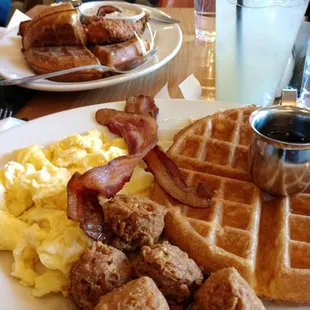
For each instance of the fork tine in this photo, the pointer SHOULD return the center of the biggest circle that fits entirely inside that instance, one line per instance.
(5, 113)
(136, 63)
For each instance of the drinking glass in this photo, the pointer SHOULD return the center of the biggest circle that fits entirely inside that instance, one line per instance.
(205, 20)
(254, 41)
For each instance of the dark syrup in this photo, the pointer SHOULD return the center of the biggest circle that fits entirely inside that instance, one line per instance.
(284, 136)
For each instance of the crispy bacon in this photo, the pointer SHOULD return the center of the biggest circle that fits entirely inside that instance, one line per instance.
(83, 207)
(168, 176)
(165, 171)
(140, 134)
(110, 179)
(139, 131)
(143, 105)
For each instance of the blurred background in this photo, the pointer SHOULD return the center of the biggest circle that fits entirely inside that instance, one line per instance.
(25, 5)
(7, 7)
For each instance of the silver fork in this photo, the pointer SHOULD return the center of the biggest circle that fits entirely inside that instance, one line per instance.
(122, 69)
(5, 113)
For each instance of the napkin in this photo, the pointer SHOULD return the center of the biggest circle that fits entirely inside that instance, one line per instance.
(16, 19)
(190, 88)
(163, 93)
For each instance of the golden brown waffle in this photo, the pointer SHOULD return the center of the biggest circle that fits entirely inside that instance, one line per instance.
(216, 144)
(266, 240)
(55, 26)
(55, 58)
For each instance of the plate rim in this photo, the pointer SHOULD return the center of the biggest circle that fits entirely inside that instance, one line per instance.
(120, 102)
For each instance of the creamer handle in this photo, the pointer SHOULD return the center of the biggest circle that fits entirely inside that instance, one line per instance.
(289, 97)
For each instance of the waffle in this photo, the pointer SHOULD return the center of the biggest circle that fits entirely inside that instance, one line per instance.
(55, 58)
(217, 144)
(56, 26)
(267, 240)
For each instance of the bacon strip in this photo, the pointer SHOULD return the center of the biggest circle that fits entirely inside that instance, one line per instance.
(140, 134)
(110, 179)
(165, 171)
(143, 105)
(139, 131)
(83, 207)
(168, 176)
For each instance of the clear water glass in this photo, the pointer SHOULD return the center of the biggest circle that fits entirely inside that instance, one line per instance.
(254, 41)
(205, 20)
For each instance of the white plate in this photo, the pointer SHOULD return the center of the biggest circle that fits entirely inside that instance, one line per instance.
(12, 64)
(174, 114)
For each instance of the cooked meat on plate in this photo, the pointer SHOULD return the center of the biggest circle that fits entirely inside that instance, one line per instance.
(135, 221)
(226, 289)
(175, 274)
(106, 31)
(140, 294)
(98, 271)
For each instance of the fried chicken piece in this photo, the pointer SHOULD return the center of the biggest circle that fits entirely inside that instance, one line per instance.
(226, 289)
(107, 31)
(140, 294)
(135, 221)
(175, 274)
(98, 271)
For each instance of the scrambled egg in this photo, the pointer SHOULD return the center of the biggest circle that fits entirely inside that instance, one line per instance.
(33, 220)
